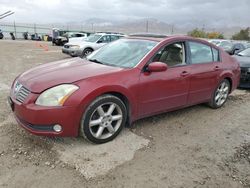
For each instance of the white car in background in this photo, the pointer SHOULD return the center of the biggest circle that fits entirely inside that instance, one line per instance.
(84, 47)
(79, 37)
(70, 36)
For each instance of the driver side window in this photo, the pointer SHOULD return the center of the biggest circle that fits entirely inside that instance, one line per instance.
(172, 54)
(104, 39)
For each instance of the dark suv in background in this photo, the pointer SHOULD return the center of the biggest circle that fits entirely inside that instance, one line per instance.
(1, 34)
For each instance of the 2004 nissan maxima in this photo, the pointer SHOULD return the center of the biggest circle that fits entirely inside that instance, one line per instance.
(126, 80)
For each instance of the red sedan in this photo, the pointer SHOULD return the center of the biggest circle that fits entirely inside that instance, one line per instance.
(124, 81)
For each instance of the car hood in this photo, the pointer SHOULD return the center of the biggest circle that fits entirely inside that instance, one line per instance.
(77, 40)
(48, 75)
(80, 43)
(60, 37)
(244, 61)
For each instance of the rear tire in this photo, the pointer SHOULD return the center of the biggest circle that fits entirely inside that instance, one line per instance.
(104, 119)
(220, 94)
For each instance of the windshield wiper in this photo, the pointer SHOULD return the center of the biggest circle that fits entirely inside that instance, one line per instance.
(95, 61)
(103, 63)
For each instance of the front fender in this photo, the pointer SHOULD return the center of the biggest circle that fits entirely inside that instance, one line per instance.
(87, 93)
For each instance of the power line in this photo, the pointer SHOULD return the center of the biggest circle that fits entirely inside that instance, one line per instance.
(5, 13)
(8, 13)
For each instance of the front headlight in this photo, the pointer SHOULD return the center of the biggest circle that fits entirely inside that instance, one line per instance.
(75, 46)
(57, 95)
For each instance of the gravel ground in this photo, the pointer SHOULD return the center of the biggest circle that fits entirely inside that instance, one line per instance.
(192, 147)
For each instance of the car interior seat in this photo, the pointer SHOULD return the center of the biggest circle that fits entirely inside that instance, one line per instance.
(171, 56)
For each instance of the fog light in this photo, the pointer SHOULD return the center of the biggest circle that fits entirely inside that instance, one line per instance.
(57, 128)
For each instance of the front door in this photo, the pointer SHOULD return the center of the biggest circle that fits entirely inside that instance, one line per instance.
(163, 91)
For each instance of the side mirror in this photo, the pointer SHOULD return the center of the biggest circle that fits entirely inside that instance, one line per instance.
(157, 67)
(99, 41)
(236, 51)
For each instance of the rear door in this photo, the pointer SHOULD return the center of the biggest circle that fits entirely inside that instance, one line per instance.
(205, 71)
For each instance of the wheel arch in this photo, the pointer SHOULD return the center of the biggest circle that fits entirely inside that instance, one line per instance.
(88, 47)
(228, 76)
(230, 81)
(126, 101)
(122, 93)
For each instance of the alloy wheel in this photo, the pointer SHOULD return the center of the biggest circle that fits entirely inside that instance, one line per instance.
(222, 93)
(87, 52)
(105, 120)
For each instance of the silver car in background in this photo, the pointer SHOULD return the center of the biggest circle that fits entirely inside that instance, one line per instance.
(82, 48)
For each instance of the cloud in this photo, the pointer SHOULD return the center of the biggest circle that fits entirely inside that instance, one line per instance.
(211, 13)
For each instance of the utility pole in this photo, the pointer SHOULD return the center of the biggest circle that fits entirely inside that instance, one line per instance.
(15, 28)
(34, 28)
(172, 29)
(147, 26)
(203, 27)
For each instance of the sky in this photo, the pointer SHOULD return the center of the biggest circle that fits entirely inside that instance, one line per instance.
(212, 13)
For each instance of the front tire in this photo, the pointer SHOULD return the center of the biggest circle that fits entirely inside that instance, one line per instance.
(86, 52)
(220, 95)
(104, 119)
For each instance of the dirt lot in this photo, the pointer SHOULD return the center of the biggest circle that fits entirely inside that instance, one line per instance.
(193, 147)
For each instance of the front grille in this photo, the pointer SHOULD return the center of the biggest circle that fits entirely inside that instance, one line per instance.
(245, 76)
(20, 92)
(244, 71)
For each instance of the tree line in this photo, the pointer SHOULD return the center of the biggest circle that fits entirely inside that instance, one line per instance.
(243, 34)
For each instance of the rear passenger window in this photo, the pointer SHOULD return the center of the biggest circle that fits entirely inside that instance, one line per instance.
(200, 53)
(216, 54)
(105, 39)
(113, 38)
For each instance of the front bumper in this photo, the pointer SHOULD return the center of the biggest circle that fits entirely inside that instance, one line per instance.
(72, 52)
(245, 78)
(69, 51)
(40, 120)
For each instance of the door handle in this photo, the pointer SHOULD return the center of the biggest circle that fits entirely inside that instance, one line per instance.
(184, 73)
(216, 68)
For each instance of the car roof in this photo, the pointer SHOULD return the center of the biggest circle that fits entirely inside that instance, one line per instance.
(146, 38)
(160, 39)
(103, 33)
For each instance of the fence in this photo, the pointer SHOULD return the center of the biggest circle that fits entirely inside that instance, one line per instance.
(19, 29)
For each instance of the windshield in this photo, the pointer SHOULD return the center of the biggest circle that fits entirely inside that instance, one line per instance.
(93, 38)
(245, 52)
(215, 42)
(247, 45)
(125, 53)
(226, 45)
(66, 34)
